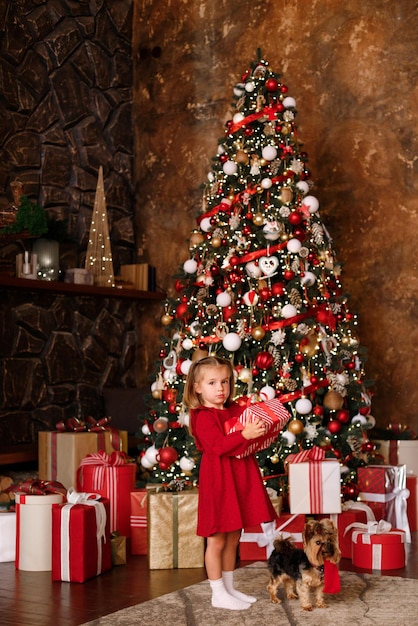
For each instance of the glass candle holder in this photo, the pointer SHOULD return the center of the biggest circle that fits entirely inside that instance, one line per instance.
(47, 252)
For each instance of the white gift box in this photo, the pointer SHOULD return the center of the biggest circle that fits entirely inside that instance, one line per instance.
(34, 531)
(400, 452)
(7, 537)
(315, 487)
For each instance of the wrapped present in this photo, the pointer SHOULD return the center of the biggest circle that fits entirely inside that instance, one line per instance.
(118, 546)
(412, 503)
(400, 452)
(352, 512)
(80, 537)
(386, 484)
(112, 476)
(138, 521)
(274, 416)
(172, 521)
(7, 536)
(256, 542)
(377, 546)
(60, 452)
(34, 530)
(314, 482)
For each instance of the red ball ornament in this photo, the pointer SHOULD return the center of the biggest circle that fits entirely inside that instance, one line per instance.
(299, 357)
(169, 395)
(234, 260)
(264, 360)
(368, 446)
(167, 456)
(350, 491)
(277, 289)
(318, 410)
(351, 365)
(364, 410)
(265, 294)
(182, 311)
(179, 285)
(255, 371)
(334, 427)
(248, 131)
(288, 274)
(284, 88)
(223, 158)
(228, 313)
(295, 218)
(172, 408)
(272, 85)
(343, 416)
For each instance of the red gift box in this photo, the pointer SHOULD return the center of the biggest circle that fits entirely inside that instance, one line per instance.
(386, 484)
(381, 550)
(352, 513)
(81, 547)
(112, 477)
(139, 522)
(412, 504)
(274, 416)
(256, 542)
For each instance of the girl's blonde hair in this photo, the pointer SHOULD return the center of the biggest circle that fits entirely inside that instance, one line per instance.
(191, 399)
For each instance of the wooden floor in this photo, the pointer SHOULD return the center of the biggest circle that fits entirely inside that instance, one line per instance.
(32, 599)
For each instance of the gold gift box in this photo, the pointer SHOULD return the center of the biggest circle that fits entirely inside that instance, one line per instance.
(62, 462)
(172, 521)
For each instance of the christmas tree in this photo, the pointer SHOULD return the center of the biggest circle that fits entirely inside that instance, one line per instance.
(262, 287)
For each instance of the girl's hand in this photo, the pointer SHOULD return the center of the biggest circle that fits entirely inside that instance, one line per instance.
(255, 429)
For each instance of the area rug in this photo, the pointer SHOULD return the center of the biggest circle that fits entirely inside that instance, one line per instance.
(364, 600)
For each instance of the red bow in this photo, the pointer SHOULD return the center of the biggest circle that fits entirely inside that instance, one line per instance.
(313, 454)
(39, 487)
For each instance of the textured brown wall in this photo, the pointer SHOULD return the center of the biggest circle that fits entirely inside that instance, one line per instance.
(351, 66)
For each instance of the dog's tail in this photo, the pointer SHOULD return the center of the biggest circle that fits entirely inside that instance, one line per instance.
(285, 545)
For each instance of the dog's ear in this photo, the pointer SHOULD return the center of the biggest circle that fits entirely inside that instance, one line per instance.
(328, 526)
(309, 530)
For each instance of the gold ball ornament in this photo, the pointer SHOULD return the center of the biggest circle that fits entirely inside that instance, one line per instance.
(242, 157)
(286, 194)
(215, 242)
(274, 459)
(196, 238)
(157, 394)
(258, 333)
(166, 319)
(245, 375)
(284, 236)
(160, 425)
(333, 400)
(295, 426)
(258, 219)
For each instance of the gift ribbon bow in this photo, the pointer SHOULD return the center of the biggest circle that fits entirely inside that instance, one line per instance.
(90, 425)
(314, 457)
(39, 487)
(305, 456)
(89, 499)
(371, 528)
(269, 534)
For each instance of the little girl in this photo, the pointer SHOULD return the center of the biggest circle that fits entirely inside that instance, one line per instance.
(231, 491)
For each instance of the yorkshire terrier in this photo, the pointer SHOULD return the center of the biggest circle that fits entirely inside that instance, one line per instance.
(301, 571)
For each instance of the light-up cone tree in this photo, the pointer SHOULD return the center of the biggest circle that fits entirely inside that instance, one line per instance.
(261, 287)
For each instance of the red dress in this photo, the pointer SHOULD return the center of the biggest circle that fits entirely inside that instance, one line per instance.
(231, 491)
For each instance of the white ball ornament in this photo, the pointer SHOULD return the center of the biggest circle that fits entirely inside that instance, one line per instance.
(289, 437)
(185, 366)
(151, 454)
(312, 203)
(371, 422)
(289, 311)
(308, 279)
(231, 342)
(303, 406)
(239, 90)
(249, 87)
(223, 299)
(271, 231)
(230, 168)
(266, 183)
(289, 102)
(187, 343)
(238, 117)
(205, 225)
(253, 269)
(294, 245)
(190, 266)
(221, 149)
(211, 177)
(245, 375)
(186, 464)
(359, 419)
(267, 393)
(269, 153)
(303, 186)
(145, 430)
(146, 464)
(169, 376)
(250, 298)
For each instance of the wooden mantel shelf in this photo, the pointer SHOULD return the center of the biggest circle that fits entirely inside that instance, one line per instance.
(82, 290)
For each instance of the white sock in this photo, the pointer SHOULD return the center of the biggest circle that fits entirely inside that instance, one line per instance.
(221, 599)
(228, 578)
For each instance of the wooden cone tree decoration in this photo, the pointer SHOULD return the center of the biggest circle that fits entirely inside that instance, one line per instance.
(99, 253)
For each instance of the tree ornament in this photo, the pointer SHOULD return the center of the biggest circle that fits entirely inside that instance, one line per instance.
(277, 289)
(272, 85)
(274, 459)
(359, 419)
(160, 425)
(333, 400)
(334, 427)
(293, 246)
(253, 269)
(289, 102)
(289, 311)
(151, 454)
(250, 298)
(311, 203)
(343, 416)
(231, 342)
(242, 157)
(268, 265)
(182, 312)
(264, 360)
(258, 219)
(267, 392)
(186, 464)
(289, 437)
(196, 238)
(166, 319)
(295, 218)
(216, 242)
(303, 406)
(258, 333)
(230, 168)
(269, 153)
(145, 430)
(146, 463)
(245, 375)
(223, 299)
(206, 225)
(166, 456)
(288, 275)
(190, 266)
(295, 426)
